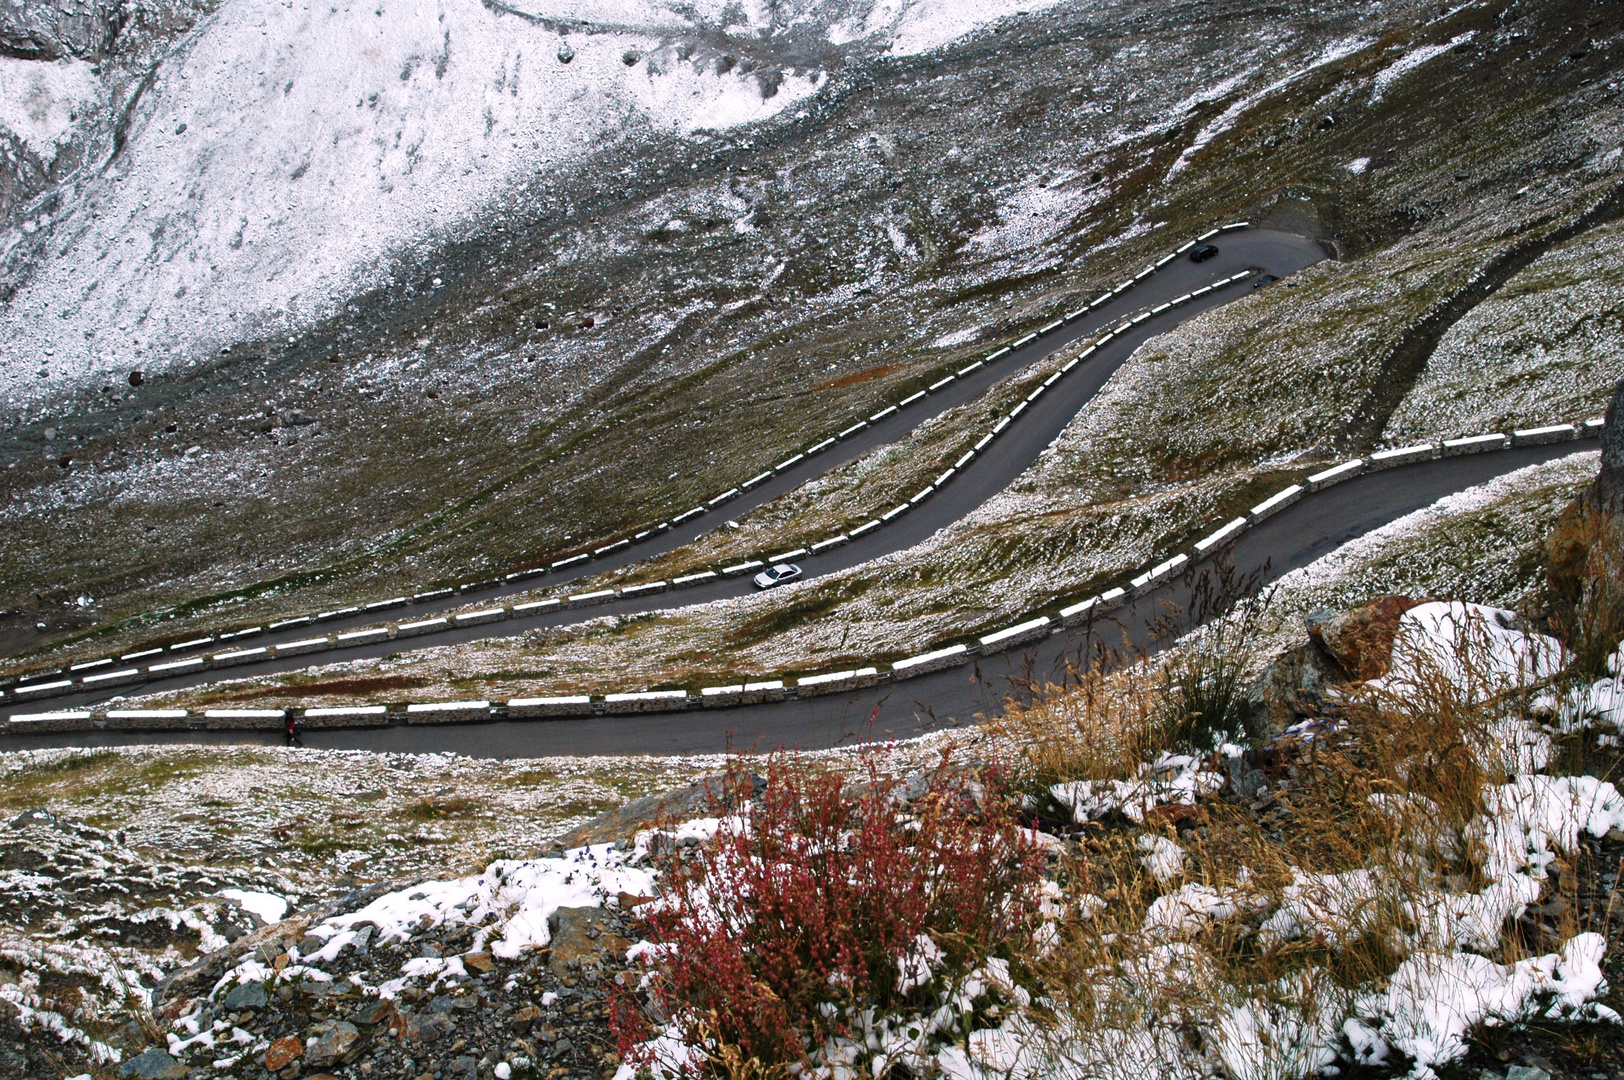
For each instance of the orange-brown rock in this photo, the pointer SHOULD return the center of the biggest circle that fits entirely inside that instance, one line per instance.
(583, 937)
(1175, 814)
(283, 1052)
(1361, 640)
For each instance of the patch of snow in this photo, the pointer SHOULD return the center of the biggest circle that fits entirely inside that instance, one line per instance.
(957, 337)
(1474, 647)
(1411, 60)
(522, 894)
(1585, 706)
(269, 907)
(1190, 907)
(1227, 119)
(917, 26)
(1162, 858)
(1171, 778)
(1434, 999)
(1358, 166)
(1031, 213)
(38, 101)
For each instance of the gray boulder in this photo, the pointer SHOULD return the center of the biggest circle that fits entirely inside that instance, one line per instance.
(246, 996)
(153, 1064)
(335, 1041)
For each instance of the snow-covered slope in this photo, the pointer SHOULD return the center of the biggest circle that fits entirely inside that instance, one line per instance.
(285, 151)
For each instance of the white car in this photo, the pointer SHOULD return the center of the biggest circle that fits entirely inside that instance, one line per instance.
(777, 575)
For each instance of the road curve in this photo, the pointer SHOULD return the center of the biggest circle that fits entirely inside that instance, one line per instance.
(1260, 250)
(1292, 538)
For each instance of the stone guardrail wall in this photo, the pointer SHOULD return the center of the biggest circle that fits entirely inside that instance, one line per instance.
(1034, 628)
(162, 662)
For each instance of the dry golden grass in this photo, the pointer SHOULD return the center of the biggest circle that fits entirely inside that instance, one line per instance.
(1364, 828)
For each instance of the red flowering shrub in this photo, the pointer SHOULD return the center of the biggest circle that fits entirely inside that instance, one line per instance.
(809, 906)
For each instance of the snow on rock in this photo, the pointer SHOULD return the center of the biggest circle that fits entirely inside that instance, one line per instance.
(1260, 1040)
(267, 906)
(1530, 820)
(1585, 706)
(916, 26)
(38, 101)
(1171, 778)
(1336, 907)
(1189, 908)
(1162, 858)
(521, 894)
(1476, 648)
(1434, 999)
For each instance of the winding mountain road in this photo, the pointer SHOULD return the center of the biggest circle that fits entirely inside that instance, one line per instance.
(1261, 250)
(1292, 538)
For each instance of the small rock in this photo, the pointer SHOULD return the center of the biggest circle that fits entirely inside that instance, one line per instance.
(523, 1018)
(283, 1052)
(1526, 1072)
(478, 961)
(1290, 689)
(334, 1041)
(427, 1027)
(246, 996)
(153, 1064)
(373, 1012)
(581, 935)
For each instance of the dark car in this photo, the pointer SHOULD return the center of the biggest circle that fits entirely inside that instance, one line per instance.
(1266, 279)
(1203, 253)
(777, 575)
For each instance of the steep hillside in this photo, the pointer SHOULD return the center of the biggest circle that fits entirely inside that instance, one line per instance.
(602, 330)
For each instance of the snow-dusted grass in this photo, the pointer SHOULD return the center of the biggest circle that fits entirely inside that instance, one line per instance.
(1367, 911)
(1548, 341)
(1364, 910)
(325, 818)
